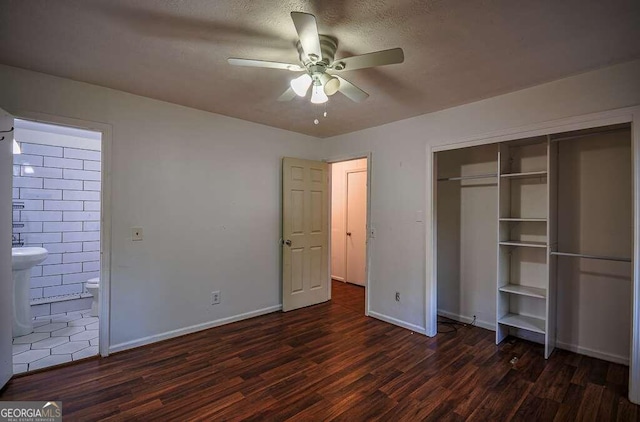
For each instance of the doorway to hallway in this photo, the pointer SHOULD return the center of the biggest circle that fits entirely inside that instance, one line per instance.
(349, 223)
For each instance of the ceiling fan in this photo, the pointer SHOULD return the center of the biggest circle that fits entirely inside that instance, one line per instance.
(317, 58)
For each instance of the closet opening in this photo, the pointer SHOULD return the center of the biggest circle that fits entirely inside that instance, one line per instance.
(349, 233)
(534, 240)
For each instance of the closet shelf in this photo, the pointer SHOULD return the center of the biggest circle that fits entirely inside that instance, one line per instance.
(524, 244)
(468, 177)
(524, 175)
(517, 219)
(525, 322)
(517, 289)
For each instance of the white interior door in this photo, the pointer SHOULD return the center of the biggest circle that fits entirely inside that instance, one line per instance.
(305, 232)
(356, 226)
(6, 281)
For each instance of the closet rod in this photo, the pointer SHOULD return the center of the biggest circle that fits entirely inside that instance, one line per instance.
(477, 176)
(563, 138)
(580, 255)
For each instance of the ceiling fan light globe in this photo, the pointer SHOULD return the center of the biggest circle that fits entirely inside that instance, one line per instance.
(301, 84)
(331, 86)
(318, 96)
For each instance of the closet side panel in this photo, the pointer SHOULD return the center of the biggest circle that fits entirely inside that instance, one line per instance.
(552, 236)
(503, 254)
(595, 217)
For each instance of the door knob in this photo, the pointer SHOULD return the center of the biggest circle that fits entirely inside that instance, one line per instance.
(348, 233)
(287, 242)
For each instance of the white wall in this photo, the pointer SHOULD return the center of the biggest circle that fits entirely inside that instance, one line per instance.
(205, 189)
(399, 168)
(339, 214)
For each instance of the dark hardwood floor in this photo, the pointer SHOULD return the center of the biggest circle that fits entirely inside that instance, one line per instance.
(348, 295)
(331, 362)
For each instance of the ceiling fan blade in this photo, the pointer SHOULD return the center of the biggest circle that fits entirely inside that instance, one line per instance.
(379, 58)
(263, 63)
(307, 29)
(351, 91)
(288, 95)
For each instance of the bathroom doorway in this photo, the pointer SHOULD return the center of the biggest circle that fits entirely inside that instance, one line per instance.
(349, 232)
(57, 201)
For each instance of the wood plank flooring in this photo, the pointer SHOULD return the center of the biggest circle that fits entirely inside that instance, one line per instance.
(329, 362)
(348, 295)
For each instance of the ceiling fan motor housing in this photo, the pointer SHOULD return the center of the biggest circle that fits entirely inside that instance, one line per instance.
(328, 47)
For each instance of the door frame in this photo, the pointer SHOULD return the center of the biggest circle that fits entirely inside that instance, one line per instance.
(105, 211)
(349, 157)
(623, 115)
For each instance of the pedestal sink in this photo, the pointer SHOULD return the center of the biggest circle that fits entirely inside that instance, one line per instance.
(22, 260)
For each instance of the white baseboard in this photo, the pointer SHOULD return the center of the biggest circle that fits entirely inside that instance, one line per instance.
(192, 329)
(609, 357)
(335, 277)
(398, 322)
(467, 320)
(536, 338)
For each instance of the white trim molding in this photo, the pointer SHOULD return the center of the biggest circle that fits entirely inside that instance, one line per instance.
(609, 357)
(191, 329)
(634, 363)
(398, 322)
(431, 259)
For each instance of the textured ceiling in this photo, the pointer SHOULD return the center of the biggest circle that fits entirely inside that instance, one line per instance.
(456, 51)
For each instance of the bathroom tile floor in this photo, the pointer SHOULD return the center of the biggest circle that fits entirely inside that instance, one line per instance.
(56, 339)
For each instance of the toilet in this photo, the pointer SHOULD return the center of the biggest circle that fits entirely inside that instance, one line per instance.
(93, 287)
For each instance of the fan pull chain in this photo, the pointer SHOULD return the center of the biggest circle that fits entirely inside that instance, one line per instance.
(324, 114)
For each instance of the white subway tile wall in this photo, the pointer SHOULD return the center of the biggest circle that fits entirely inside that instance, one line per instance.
(38, 149)
(65, 184)
(90, 185)
(60, 190)
(48, 172)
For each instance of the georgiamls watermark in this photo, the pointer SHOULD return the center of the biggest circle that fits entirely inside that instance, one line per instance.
(30, 411)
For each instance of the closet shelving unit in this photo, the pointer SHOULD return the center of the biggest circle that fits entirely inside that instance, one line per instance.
(552, 206)
(526, 235)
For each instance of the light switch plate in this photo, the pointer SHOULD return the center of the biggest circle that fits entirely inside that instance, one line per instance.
(136, 233)
(419, 216)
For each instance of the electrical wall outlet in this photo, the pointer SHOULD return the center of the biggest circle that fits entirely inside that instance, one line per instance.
(215, 297)
(397, 296)
(136, 233)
